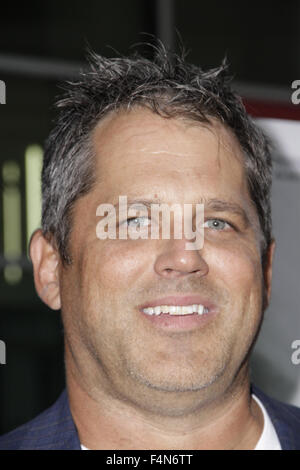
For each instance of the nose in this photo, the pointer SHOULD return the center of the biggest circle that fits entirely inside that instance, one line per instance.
(175, 261)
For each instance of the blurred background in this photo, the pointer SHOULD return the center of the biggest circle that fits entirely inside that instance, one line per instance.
(44, 43)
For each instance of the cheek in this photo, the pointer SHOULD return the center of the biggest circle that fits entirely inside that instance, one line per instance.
(238, 274)
(238, 268)
(115, 264)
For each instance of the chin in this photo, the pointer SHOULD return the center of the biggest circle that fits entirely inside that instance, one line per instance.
(178, 383)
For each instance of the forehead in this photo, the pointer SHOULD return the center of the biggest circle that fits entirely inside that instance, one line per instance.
(138, 151)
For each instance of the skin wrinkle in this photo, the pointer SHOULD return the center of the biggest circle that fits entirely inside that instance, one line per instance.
(223, 142)
(127, 377)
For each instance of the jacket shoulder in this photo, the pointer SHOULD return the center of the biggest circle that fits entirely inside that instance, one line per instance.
(52, 429)
(285, 418)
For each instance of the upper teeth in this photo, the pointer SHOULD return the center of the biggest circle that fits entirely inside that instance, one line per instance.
(176, 309)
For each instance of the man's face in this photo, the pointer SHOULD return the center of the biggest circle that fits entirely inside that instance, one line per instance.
(146, 157)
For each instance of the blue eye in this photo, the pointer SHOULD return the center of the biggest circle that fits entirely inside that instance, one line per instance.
(217, 224)
(138, 222)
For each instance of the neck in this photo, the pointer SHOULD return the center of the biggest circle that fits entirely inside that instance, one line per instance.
(232, 420)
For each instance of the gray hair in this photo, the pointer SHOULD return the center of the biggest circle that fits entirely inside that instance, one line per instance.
(168, 86)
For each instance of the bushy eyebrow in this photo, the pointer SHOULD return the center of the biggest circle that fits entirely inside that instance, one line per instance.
(216, 205)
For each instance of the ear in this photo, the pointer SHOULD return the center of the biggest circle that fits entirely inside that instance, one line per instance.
(45, 260)
(268, 268)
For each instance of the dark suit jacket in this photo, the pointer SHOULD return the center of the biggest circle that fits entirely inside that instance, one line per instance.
(54, 428)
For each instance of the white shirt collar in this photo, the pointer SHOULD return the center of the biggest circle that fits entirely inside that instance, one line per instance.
(268, 439)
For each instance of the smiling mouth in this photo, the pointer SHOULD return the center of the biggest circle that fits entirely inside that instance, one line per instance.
(175, 310)
(179, 312)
